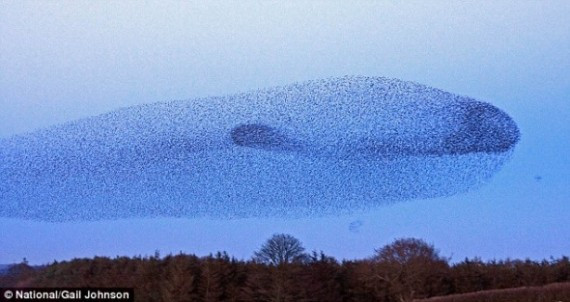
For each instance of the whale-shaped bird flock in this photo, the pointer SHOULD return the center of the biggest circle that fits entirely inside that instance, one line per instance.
(312, 148)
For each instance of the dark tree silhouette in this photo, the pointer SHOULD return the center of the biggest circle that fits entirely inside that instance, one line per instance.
(179, 278)
(410, 268)
(281, 249)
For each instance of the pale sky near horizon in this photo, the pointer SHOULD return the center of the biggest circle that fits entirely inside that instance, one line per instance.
(64, 60)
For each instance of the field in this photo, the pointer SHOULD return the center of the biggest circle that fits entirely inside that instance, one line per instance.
(549, 293)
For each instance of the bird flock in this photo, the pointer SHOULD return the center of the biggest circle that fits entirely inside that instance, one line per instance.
(321, 147)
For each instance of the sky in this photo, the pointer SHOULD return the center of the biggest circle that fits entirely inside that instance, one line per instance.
(65, 60)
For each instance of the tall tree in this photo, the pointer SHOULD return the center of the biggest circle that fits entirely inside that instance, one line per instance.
(211, 281)
(281, 249)
(178, 281)
(410, 268)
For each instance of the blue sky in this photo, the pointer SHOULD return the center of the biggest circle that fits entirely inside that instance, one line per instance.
(60, 61)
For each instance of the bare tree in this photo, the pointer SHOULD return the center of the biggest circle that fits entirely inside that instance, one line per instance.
(281, 249)
(409, 268)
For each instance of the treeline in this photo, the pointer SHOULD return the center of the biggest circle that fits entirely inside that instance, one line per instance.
(405, 270)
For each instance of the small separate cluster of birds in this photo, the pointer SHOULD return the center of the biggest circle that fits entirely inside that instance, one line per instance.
(307, 149)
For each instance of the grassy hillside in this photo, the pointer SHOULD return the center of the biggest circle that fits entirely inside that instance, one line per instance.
(549, 293)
